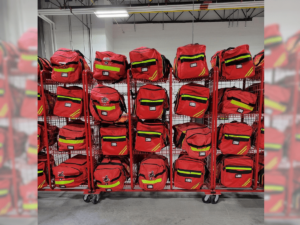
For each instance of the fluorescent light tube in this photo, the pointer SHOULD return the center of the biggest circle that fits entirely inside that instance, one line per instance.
(112, 15)
(111, 12)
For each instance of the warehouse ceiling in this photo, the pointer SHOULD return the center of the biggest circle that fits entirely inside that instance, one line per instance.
(161, 11)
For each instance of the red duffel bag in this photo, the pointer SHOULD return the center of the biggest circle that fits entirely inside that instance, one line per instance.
(153, 172)
(260, 142)
(110, 66)
(234, 101)
(236, 63)
(189, 173)
(149, 64)
(293, 43)
(152, 102)
(261, 169)
(52, 135)
(194, 138)
(5, 196)
(215, 59)
(192, 100)
(277, 99)
(28, 47)
(50, 102)
(275, 49)
(275, 192)
(4, 98)
(234, 138)
(28, 108)
(71, 173)
(32, 149)
(258, 59)
(274, 141)
(296, 144)
(42, 182)
(72, 137)
(43, 65)
(68, 65)
(151, 136)
(190, 62)
(69, 102)
(111, 173)
(7, 50)
(2, 146)
(235, 171)
(106, 103)
(114, 139)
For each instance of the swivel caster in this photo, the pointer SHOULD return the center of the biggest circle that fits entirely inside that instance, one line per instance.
(87, 198)
(215, 199)
(96, 199)
(206, 199)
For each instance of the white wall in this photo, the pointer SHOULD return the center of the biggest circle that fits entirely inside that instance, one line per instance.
(215, 36)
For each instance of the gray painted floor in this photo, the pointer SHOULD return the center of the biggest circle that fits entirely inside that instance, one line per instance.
(150, 209)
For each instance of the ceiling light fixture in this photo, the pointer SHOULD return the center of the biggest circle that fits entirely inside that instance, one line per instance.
(117, 13)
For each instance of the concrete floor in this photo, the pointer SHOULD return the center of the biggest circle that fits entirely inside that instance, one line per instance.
(150, 209)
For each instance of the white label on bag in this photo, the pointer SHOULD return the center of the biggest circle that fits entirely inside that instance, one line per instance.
(193, 64)
(68, 104)
(188, 180)
(202, 154)
(153, 108)
(148, 139)
(34, 64)
(238, 176)
(240, 110)
(268, 51)
(108, 189)
(144, 69)
(104, 113)
(267, 197)
(62, 63)
(113, 144)
(64, 74)
(62, 186)
(236, 142)
(105, 73)
(239, 66)
(268, 111)
(70, 147)
(193, 104)
(150, 186)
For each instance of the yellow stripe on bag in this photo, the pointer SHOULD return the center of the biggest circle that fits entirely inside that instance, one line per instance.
(66, 70)
(30, 206)
(155, 148)
(32, 150)
(29, 57)
(202, 73)
(41, 185)
(272, 163)
(249, 72)
(246, 183)
(242, 151)
(4, 110)
(64, 182)
(274, 188)
(123, 150)
(240, 104)
(3, 191)
(275, 105)
(109, 185)
(277, 206)
(40, 110)
(75, 113)
(272, 40)
(205, 149)
(70, 141)
(195, 186)
(199, 113)
(280, 60)
(153, 76)
(107, 108)
(152, 181)
(5, 209)
(109, 68)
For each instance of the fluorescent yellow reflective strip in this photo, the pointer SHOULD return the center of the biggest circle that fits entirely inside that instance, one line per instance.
(161, 100)
(109, 186)
(5, 208)
(186, 172)
(70, 141)
(277, 206)
(272, 40)
(200, 149)
(114, 137)
(106, 108)
(146, 61)
(237, 168)
(64, 181)
(274, 188)
(273, 146)
(148, 132)
(237, 136)
(1, 145)
(3, 192)
(30, 206)
(29, 92)
(192, 57)
(191, 96)
(4, 110)
(272, 163)
(240, 104)
(297, 136)
(66, 70)
(29, 57)
(40, 171)
(153, 76)
(110, 68)
(1, 91)
(275, 105)
(61, 96)
(152, 181)
(32, 150)
(241, 57)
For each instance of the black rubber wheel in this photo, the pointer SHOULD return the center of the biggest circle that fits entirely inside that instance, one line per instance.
(95, 199)
(206, 199)
(87, 198)
(215, 199)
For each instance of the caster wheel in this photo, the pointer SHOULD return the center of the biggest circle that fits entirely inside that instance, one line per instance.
(95, 199)
(215, 199)
(206, 199)
(87, 198)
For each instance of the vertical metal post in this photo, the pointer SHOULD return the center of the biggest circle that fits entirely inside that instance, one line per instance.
(171, 129)
(134, 22)
(130, 129)
(70, 32)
